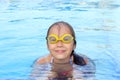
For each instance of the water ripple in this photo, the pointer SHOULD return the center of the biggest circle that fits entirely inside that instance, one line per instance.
(16, 20)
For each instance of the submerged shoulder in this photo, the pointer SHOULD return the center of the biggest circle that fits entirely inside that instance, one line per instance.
(44, 60)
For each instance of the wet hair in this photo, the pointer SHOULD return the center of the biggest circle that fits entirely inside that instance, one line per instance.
(79, 60)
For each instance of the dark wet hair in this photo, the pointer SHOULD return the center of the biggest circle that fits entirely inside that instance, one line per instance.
(79, 60)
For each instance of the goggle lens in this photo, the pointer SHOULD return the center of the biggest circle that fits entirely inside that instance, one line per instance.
(52, 39)
(67, 39)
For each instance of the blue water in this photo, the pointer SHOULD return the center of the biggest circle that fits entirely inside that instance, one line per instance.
(24, 23)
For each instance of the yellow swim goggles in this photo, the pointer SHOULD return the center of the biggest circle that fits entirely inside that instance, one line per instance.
(53, 38)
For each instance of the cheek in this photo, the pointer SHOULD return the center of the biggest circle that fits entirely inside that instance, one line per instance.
(50, 47)
(70, 47)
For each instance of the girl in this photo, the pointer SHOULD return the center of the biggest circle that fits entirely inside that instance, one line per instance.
(65, 63)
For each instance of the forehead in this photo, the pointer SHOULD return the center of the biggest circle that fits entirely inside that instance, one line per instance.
(60, 29)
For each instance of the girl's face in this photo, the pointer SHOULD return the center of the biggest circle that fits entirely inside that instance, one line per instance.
(60, 50)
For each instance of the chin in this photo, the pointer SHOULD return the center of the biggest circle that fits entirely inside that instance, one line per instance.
(60, 57)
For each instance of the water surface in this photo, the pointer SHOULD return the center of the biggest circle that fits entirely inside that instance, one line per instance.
(24, 23)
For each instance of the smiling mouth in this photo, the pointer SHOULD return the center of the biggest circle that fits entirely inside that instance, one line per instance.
(59, 51)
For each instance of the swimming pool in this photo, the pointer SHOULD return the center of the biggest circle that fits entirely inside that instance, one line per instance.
(24, 23)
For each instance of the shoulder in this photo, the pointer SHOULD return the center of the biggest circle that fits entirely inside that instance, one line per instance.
(44, 60)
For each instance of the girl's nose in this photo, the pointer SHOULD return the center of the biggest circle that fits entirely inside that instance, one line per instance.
(59, 43)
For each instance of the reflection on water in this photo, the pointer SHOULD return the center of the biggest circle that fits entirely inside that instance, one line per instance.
(23, 25)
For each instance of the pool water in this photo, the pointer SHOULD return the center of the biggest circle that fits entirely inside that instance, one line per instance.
(24, 23)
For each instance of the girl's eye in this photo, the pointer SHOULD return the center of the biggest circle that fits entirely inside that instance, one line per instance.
(67, 38)
(52, 38)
